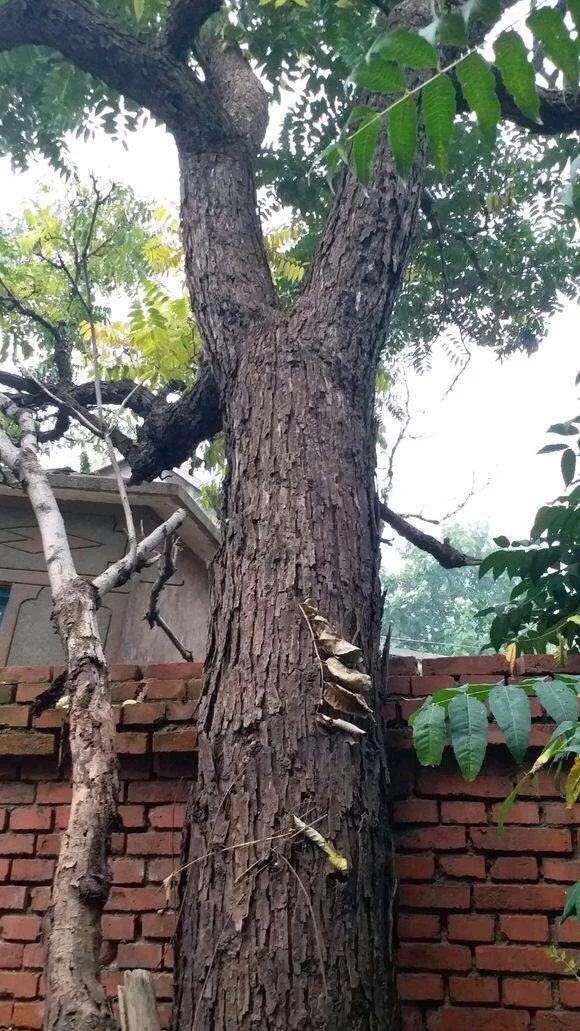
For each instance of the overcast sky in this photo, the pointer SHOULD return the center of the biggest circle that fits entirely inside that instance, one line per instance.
(490, 427)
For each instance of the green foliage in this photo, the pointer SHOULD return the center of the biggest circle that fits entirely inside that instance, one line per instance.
(543, 608)
(511, 710)
(432, 609)
(429, 735)
(572, 903)
(468, 728)
(414, 50)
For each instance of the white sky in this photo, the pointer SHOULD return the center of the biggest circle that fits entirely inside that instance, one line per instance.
(490, 427)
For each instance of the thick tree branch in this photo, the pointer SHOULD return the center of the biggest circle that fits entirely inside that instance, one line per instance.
(559, 110)
(84, 34)
(184, 21)
(442, 551)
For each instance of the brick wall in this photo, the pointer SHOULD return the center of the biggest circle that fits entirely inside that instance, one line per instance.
(477, 910)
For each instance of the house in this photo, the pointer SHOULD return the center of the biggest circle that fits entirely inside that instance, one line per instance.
(94, 520)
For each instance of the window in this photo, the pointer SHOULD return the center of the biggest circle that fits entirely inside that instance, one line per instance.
(4, 596)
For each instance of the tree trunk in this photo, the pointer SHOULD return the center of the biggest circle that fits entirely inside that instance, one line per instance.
(75, 998)
(271, 936)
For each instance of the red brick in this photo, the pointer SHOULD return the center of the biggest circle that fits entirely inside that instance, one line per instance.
(398, 685)
(132, 816)
(61, 816)
(24, 674)
(33, 956)
(158, 791)
(413, 926)
(153, 843)
(556, 813)
(185, 711)
(568, 933)
(159, 869)
(519, 839)
(14, 715)
(463, 812)
(520, 992)
(20, 984)
(32, 870)
(452, 785)
(525, 928)
(558, 1020)
(124, 671)
(128, 871)
(27, 1015)
(566, 870)
(135, 900)
(518, 898)
(20, 928)
(131, 742)
(40, 899)
(163, 985)
(408, 706)
(525, 959)
(48, 844)
(423, 686)
(458, 1018)
(421, 987)
(416, 868)
(570, 994)
(50, 719)
(122, 692)
(470, 929)
(27, 742)
(402, 664)
(10, 955)
(32, 818)
(172, 670)
(144, 712)
(14, 793)
(521, 812)
(4, 868)
(434, 896)
(159, 925)
(476, 665)
(6, 1010)
(145, 955)
(472, 867)
(170, 690)
(54, 794)
(416, 810)
(171, 817)
(12, 896)
(175, 739)
(474, 989)
(541, 786)
(439, 956)
(515, 868)
(16, 844)
(118, 927)
(441, 837)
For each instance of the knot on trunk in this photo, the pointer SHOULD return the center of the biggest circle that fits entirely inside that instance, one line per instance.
(94, 887)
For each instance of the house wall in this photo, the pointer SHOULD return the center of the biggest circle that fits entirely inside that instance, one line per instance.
(97, 537)
(477, 910)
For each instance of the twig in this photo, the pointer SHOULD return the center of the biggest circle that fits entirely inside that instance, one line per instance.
(153, 616)
(314, 642)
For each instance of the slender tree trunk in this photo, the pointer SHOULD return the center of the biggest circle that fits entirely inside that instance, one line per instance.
(271, 936)
(75, 999)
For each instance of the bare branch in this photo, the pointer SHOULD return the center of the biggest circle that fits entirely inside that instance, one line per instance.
(117, 574)
(442, 551)
(153, 615)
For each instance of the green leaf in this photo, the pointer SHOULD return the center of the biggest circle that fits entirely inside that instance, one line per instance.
(451, 29)
(549, 448)
(511, 710)
(509, 802)
(139, 8)
(365, 125)
(439, 108)
(574, 8)
(548, 27)
(502, 542)
(478, 87)
(565, 429)
(407, 48)
(484, 10)
(379, 75)
(429, 734)
(402, 124)
(511, 58)
(568, 465)
(558, 701)
(468, 723)
(572, 902)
